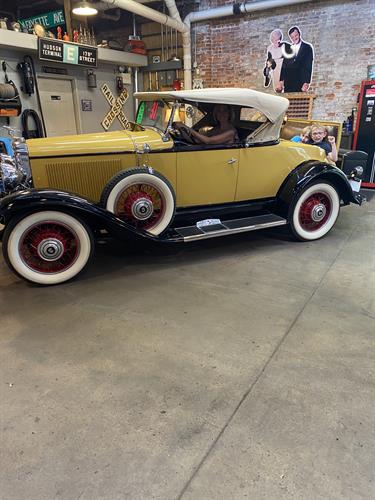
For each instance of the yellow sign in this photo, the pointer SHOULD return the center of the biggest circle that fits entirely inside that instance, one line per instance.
(116, 107)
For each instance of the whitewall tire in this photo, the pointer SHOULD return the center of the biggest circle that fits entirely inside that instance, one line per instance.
(315, 211)
(142, 198)
(47, 247)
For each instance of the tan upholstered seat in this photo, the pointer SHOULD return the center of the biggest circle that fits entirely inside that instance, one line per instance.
(294, 127)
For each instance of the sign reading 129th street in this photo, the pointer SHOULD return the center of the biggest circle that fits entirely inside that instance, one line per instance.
(68, 53)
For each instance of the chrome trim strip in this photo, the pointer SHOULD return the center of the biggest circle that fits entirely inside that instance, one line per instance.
(372, 174)
(222, 232)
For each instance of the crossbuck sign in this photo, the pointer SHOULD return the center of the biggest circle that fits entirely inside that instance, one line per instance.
(116, 107)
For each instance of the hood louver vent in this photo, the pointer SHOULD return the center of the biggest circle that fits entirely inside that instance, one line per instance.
(86, 178)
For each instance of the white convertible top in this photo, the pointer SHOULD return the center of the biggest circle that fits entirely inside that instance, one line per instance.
(272, 106)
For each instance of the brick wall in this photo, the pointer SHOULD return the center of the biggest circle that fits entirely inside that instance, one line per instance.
(231, 51)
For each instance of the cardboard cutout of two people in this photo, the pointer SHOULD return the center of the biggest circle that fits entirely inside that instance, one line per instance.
(289, 65)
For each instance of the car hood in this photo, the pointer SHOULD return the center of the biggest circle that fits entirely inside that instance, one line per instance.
(101, 142)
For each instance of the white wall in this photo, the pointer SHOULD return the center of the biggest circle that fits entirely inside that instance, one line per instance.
(90, 120)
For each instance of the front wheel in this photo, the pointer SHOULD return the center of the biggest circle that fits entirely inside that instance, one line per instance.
(313, 214)
(47, 247)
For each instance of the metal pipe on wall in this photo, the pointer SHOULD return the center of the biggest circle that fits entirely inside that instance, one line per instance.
(144, 11)
(136, 68)
(162, 42)
(166, 44)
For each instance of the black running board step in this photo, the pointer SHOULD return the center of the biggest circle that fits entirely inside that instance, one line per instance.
(191, 233)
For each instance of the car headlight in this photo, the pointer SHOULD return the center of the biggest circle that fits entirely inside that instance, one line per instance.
(358, 171)
(11, 177)
(21, 155)
(15, 171)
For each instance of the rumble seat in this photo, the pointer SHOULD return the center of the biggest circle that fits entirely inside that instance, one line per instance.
(294, 127)
(347, 159)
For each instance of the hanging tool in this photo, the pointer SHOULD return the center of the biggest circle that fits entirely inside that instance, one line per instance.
(10, 103)
(35, 132)
(27, 76)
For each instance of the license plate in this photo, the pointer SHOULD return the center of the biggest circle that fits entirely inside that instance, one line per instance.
(356, 185)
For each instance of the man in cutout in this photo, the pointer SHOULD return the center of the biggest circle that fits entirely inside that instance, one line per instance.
(296, 70)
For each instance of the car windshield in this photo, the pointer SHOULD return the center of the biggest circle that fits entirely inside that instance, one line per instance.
(154, 114)
(157, 114)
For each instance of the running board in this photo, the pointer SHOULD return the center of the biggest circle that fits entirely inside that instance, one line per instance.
(206, 229)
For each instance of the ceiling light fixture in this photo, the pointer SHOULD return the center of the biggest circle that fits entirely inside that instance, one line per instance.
(84, 9)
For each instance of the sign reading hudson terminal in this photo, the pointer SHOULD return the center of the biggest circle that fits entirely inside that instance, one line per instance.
(68, 53)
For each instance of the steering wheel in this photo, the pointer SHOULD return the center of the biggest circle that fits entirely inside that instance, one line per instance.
(183, 134)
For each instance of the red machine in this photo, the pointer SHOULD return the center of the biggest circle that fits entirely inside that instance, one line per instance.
(136, 46)
(364, 134)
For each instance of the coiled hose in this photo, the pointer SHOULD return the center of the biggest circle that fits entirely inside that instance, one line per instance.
(8, 91)
(26, 132)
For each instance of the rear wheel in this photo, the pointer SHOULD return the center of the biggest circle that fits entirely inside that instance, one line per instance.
(315, 211)
(142, 198)
(47, 247)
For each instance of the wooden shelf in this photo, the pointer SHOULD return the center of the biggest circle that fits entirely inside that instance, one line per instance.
(29, 43)
(18, 41)
(121, 57)
(164, 66)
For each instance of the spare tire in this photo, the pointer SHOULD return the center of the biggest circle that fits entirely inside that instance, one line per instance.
(141, 197)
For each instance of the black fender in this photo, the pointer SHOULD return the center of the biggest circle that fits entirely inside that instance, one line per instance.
(312, 171)
(36, 200)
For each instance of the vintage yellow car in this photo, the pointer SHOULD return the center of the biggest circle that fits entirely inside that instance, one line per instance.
(157, 181)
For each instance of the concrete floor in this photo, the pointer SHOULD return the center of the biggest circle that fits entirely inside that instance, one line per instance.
(230, 369)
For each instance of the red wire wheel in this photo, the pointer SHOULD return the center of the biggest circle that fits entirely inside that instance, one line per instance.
(141, 197)
(140, 205)
(315, 211)
(49, 247)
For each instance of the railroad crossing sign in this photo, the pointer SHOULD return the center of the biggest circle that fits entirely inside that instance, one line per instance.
(197, 83)
(116, 107)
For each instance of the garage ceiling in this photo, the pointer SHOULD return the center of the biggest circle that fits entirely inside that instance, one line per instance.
(15, 10)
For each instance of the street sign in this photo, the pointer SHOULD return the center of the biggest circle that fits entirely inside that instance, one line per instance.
(67, 52)
(47, 20)
(116, 107)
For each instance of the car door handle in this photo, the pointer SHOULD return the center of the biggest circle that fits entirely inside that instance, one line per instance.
(231, 161)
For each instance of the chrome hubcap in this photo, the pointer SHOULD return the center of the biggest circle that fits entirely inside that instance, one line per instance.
(318, 213)
(142, 209)
(50, 249)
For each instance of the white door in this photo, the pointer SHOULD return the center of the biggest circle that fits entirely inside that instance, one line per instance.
(56, 96)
